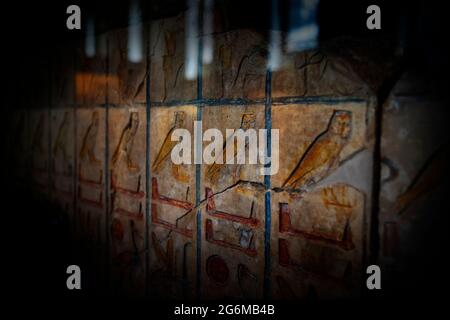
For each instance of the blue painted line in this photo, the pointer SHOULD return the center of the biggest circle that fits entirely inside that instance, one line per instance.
(245, 102)
(198, 171)
(268, 126)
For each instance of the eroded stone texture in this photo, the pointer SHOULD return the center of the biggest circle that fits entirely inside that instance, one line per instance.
(232, 213)
(167, 54)
(128, 79)
(91, 78)
(173, 225)
(238, 69)
(90, 217)
(39, 131)
(18, 146)
(319, 199)
(413, 164)
(127, 132)
(63, 159)
(316, 73)
(338, 68)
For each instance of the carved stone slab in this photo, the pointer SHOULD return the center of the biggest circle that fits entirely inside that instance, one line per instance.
(127, 176)
(128, 79)
(414, 157)
(232, 213)
(39, 131)
(172, 234)
(63, 159)
(91, 198)
(320, 199)
(167, 54)
(238, 69)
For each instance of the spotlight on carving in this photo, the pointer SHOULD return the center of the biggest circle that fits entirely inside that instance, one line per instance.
(191, 58)
(208, 42)
(303, 29)
(89, 45)
(275, 40)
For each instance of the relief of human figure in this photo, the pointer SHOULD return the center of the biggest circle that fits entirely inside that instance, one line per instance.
(215, 170)
(322, 155)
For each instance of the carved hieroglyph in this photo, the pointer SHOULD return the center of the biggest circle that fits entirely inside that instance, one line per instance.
(318, 72)
(232, 213)
(319, 199)
(127, 189)
(91, 200)
(39, 149)
(173, 217)
(127, 79)
(239, 66)
(63, 160)
(168, 61)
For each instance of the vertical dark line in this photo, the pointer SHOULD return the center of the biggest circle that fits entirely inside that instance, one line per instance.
(106, 168)
(268, 126)
(75, 148)
(49, 133)
(147, 168)
(382, 97)
(198, 166)
(374, 228)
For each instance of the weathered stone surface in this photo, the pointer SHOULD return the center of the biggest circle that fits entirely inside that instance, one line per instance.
(18, 146)
(39, 131)
(338, 68)
(63, 159)
(233, 213)
(127, 134)
(172, 232)
(91, 198)
(128, 79)
(319, 199)
(316, 73)
(238, 70)
(167, 55)
(414, 159)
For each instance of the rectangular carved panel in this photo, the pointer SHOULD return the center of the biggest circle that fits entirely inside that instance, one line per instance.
(233, 211)
(127, 163)
(319, 199)
(172, 234)
(168, 56)
(238, 69)
(39, 134)
(63, 159)
(414, 160)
